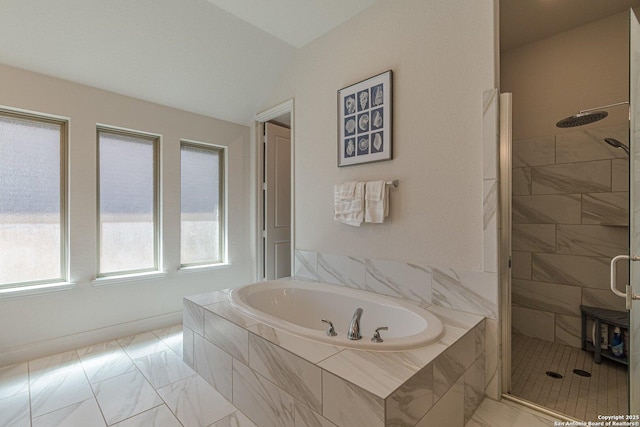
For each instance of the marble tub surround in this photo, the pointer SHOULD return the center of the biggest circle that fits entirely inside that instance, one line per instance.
(570, 217)
(459, 289)
(278, 378)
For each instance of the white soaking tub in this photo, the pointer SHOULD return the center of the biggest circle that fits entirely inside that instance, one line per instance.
(299, 307)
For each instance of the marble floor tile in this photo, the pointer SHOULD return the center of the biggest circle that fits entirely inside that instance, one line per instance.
(85, 413)
(14, 411)
(57, 381)
(124, 396)
(14, 379)
(237, 419)
(491, 413)
(140, 345)
(195, 402)
(163, 368)
(172, 337)
(105, 361)
(160, 416)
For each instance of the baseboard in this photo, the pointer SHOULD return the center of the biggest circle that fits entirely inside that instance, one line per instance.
(82, 339)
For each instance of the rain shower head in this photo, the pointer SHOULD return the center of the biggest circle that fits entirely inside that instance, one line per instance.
(584, 117)
(581, 119)
(617, 144)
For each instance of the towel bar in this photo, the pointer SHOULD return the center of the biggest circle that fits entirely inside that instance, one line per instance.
(393, 183)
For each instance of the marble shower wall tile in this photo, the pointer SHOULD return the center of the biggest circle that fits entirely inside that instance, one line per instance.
(259, 399)
(620, 175)
(521, 182)
(471, 291)
(550, 297)
(592, 240)
(586, 271)
(588, 145)
(572, 178)
(399, 279)
(602, 298)
(286, 370)
(409, 403)
(568, 330)
(342, 270)
(606, 208)
(533, 323)
(306, 265)
(349, 405)
(547, 209)
(521, 265)
(534, 152)
(534, 237)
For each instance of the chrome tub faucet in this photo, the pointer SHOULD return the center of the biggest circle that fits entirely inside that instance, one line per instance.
(354, 328)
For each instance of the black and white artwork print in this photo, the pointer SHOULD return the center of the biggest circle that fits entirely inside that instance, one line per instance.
(364, 121)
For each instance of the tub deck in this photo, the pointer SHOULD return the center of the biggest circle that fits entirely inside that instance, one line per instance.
(277, 378)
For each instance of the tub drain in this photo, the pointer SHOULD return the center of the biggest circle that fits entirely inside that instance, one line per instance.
(581, 373)
(553, 374)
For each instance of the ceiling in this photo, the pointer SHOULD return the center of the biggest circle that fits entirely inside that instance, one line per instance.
(525, 21)
(220, 58)
(296, 22)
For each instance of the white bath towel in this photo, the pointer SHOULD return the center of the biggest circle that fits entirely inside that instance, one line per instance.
(376, 207)
(348, 199)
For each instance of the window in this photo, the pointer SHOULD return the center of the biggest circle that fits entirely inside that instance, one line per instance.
(201, 204)
(128, 202)
(33, 226)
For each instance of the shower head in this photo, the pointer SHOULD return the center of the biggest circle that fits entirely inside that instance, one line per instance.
(617, 144)
(582, 119)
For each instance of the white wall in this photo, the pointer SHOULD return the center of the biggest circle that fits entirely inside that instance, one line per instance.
(38, 325)
(442, 54)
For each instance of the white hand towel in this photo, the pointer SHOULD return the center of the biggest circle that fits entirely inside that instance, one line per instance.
(376, 201)
(349, 211)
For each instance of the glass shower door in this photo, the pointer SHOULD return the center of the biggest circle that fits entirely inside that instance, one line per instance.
(634, 220)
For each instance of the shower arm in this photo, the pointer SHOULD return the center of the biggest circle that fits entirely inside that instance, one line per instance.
(604, 106)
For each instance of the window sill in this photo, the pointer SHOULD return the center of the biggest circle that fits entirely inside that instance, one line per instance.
(127, 278)
(200, 268)
(32, 290)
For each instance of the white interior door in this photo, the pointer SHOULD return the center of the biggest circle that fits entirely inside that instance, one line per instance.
(634, 202)
(277, 202)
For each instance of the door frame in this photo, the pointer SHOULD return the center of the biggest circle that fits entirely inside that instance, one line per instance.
(257, 158)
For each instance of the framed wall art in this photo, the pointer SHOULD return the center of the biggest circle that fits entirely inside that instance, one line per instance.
(364, 121)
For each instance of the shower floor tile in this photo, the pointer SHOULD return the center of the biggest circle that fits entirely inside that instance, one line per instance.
(584, 398)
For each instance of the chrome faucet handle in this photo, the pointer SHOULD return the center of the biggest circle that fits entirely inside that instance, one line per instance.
(331, 331)
(376, 334)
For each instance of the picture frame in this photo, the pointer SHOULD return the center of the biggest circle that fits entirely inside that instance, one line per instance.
(364, 121)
